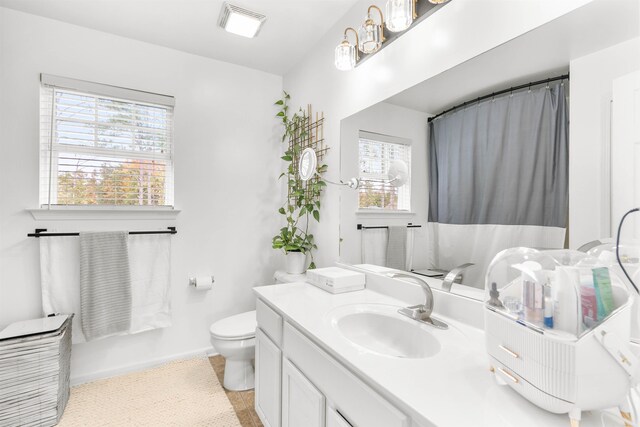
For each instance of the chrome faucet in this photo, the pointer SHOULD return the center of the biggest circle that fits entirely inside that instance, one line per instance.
(421, 312)
(454, 276)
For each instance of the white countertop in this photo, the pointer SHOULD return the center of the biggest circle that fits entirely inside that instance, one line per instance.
(451, 388)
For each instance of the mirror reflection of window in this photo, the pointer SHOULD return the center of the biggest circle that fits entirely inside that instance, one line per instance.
(375, 154)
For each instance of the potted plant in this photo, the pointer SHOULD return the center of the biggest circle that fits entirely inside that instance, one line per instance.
(303, 197)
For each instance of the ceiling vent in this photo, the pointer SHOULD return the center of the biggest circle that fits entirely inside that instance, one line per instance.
(240, 21)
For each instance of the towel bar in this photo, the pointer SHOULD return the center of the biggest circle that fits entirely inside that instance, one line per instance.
(363, 227)
(41, 232)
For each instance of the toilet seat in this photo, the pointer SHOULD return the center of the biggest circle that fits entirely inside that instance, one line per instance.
(238, 327)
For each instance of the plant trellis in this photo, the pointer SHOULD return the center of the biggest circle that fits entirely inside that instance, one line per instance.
(303, 197)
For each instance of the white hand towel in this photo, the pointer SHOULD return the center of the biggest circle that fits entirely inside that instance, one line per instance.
(60, 279)
(374, 246)
(150, 264)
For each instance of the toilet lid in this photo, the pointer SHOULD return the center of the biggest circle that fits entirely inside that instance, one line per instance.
(236, 327)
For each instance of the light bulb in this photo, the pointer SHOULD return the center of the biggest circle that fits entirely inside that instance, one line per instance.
(399, 14)
(345, 56)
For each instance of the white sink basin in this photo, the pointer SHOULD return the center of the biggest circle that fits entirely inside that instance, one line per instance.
(380, 329)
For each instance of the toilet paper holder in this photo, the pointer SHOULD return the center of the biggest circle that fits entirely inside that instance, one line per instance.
(193, 281)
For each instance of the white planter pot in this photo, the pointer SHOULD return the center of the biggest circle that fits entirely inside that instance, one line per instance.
(296, 262)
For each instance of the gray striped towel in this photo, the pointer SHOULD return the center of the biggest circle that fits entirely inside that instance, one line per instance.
(105, 284)
(397, 247)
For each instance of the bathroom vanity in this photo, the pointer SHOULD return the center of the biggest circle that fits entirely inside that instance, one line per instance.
(350, 360)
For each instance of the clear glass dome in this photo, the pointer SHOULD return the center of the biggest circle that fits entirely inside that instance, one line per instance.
(399, 14)
(629, 253)
(345, 56)
(560, 292)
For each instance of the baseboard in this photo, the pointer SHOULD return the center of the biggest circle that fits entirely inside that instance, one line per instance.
(108, 373)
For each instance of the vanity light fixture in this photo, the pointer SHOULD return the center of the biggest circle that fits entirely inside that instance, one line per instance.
(371, 34)
(240, 21)
(347, 54)
(400, 14)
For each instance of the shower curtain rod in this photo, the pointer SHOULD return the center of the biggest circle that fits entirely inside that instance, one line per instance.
(41, 232)
(500, 92)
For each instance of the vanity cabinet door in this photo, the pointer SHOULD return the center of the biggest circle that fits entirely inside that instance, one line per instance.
(268, 376)
(335, 419)
(302, 402)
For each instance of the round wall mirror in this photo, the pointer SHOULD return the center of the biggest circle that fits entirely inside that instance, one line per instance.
(398, 173)
(307, 164)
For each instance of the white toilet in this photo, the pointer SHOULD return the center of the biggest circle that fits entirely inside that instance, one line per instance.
(234, 338)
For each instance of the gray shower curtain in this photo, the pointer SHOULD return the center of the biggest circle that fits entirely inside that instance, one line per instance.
(498, 177)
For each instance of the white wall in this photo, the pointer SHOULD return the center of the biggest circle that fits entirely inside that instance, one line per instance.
(392, 120)
(592, 79)
(449, 37)
(226, 169)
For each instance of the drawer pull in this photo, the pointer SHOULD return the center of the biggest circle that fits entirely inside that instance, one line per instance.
(508, 375)
(509, 352)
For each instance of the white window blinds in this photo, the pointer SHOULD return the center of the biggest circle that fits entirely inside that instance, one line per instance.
(103, 145)
(376, 152)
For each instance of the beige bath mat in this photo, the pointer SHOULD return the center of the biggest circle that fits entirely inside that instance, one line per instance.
(182, 393)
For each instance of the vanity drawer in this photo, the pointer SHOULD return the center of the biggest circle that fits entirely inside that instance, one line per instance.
(528, 390)
(559, 383)
(360, 404)
(544, 363)
(527, 344)
(269, 321)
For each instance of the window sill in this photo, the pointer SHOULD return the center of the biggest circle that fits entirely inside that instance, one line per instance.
(102, 213)
(375, 213)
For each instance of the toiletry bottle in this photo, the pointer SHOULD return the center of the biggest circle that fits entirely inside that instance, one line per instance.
(494, 295)
(604, 293)
(548, 306)
(532, 292)
(533, 299)
(588, 299)
(564, 293)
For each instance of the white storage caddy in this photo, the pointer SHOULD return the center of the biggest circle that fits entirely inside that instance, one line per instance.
(336, 280)
(568, 367)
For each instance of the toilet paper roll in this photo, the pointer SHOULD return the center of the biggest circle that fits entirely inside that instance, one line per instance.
(202, 283)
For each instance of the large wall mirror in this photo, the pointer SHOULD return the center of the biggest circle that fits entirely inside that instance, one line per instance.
(493, 174)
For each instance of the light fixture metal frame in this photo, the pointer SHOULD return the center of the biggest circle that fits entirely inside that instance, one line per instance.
(345, 42)
(346, 39)
(373, 6)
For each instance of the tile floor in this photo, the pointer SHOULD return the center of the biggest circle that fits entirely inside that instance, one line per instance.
(242, 401)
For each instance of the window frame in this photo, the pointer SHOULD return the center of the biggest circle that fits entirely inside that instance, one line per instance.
(47, 199)
(386, 139)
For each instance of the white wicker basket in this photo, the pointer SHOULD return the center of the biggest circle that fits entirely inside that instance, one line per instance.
(34, 371)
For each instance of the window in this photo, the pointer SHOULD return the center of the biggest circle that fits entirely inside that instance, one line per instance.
(376, 152)
(103, 145)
